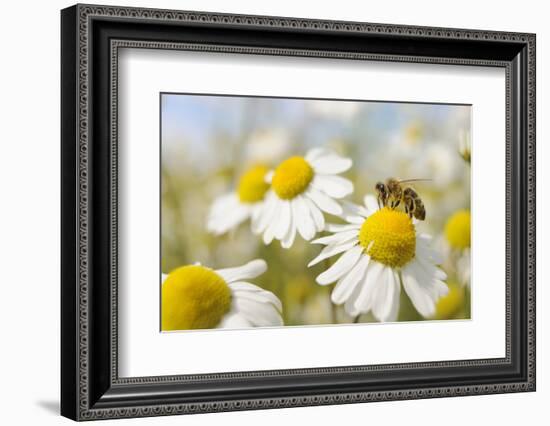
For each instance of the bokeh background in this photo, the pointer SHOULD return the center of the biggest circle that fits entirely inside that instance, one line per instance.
(208, 141)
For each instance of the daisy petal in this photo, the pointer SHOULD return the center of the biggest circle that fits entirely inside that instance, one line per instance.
(226, 213)
(347, 284)
(234, 320)
(386, 301)
(342, 266)
(315, 153)
(394, 312)
(266, 214)
(371, 203)
(353, 213)
(420, 297)
(423, 243)
(464, 268)
(332, 250)
(316, 214)
(372, 280)
(336, 227)
(225, 202)
(260, 297)
(257, 313)
(284, 220)
(250, 270)
(302, 217)
(276, 220)
(338, 238)
(253, 292)
(331, 164)
(288, 239)
(255, 215)
(430, 269)
(335, 186)
(323, 201)
(349, 306)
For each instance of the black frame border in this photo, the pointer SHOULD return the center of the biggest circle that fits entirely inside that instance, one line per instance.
(91, 37)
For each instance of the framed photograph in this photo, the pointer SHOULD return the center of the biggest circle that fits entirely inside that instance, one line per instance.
(263, 212)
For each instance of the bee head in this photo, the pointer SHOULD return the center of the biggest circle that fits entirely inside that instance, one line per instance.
(380, 188)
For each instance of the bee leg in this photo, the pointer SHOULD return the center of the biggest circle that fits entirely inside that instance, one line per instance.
(410, 210)
(396, 203)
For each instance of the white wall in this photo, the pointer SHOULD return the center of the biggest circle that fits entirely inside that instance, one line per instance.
(29, 210)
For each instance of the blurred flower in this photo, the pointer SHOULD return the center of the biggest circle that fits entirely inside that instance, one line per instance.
(416, 154)
(341, 110)
(464, 146)
(438, 162)
(230, 210)
(450, 305)
(458, 236)
(457, 230)
(301, 188)
(197, 297)
(268, 146)
(414, 132)
(381, 249)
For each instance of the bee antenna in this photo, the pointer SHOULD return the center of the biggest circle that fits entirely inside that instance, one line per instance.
(415, 180)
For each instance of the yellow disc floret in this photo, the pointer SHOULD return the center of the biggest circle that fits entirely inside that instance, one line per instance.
(252, 185)
(457, 230)
(292, 177)
(389, 237)
(194, 297)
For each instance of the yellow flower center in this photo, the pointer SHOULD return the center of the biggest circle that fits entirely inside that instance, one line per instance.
(194, 297)
(252, 185)
(457, 230)
(449, 305)
(389, 237)
(292, 177)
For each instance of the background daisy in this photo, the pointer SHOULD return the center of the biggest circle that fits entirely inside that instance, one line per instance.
(458, 239)
(197, 297)
(452, 306)
(302, 188)
(230, 210)
(381, 251)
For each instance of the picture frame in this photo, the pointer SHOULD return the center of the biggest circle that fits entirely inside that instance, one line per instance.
(91, 37)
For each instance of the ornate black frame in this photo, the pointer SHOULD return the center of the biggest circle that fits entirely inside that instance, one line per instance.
(91, 37)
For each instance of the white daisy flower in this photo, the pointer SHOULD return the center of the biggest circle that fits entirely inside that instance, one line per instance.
(197, 297)
(268, 146)
(301, 189)
(458, 238)
(341, 110)
(230, 210)
(381, 250)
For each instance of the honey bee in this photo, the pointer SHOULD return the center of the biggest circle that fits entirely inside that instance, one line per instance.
(392, 193)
